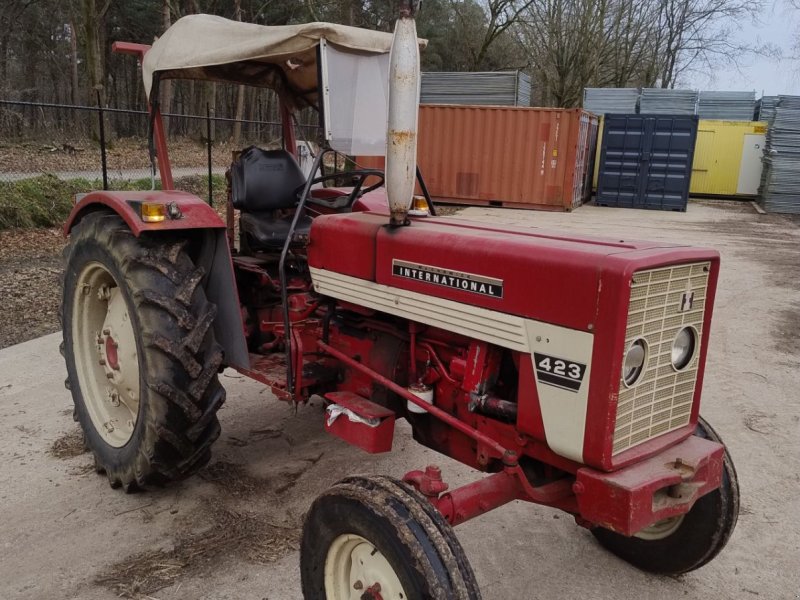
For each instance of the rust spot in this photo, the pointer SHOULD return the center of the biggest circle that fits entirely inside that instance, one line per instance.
(401, 136)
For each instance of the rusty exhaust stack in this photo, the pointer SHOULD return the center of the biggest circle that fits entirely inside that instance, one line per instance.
(401, 138)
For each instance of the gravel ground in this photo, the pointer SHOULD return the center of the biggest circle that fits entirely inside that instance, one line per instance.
(232, 531)
(30, 283)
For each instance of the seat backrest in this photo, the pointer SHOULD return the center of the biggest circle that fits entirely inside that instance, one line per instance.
(264, 180)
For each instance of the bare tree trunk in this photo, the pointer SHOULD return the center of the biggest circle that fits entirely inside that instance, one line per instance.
(166, 85)
(237, 125)
(73, 63)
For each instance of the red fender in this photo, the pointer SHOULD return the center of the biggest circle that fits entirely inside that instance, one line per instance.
(195, 213)
(220, 284)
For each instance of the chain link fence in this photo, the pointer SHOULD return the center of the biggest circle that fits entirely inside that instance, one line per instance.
(95, 147)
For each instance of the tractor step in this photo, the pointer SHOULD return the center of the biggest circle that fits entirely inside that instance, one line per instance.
(359, 422)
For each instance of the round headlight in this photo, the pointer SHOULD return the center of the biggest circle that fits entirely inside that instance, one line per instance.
(633, 365)
(683, 348)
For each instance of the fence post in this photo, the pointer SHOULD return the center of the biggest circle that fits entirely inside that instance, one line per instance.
(102, 141)
(208, 141)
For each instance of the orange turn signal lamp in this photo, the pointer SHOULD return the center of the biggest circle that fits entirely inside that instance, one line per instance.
(419, 207)
(153, 212)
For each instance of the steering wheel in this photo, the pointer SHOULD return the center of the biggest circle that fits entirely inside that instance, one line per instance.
(360, 174)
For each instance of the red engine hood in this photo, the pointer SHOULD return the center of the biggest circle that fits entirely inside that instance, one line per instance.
(543, 275)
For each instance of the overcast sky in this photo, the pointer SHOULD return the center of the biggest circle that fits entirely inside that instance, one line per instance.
(780, 24)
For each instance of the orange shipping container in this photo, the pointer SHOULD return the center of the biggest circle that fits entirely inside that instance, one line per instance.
(506, 156)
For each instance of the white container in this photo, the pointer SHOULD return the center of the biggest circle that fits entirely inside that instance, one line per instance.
(423, 392)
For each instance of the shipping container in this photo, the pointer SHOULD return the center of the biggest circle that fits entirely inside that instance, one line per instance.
(537, 158)
(518, 157)
(727, 158)
(646, 161)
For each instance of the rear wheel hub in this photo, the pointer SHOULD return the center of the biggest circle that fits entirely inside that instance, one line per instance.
(106, 356)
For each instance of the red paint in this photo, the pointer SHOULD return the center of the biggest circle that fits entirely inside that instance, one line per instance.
(112, 357)
(326, 251)
(633, 498)
(402, 392)
(196, 214)
(371, 439)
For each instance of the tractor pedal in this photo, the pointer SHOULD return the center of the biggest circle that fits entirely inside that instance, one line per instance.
(359, 422)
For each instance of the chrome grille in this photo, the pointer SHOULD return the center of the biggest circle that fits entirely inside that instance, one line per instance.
(661, 400)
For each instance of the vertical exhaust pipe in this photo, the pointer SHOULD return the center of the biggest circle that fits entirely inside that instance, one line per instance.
(401, 138)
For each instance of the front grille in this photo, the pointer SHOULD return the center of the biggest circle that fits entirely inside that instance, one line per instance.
(661, 400)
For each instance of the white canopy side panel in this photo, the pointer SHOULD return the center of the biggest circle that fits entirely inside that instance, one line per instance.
(355, 100)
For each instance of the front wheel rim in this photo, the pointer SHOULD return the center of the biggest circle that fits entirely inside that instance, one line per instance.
(661, 529)
(106, 355)
(355, 569)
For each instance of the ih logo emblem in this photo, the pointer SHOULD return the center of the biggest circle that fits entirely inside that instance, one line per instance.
(687, 301)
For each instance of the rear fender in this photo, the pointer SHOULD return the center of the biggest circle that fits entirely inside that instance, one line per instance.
(214, 255)
(194, 213)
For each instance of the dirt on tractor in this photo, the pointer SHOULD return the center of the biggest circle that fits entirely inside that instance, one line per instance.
(232, 532)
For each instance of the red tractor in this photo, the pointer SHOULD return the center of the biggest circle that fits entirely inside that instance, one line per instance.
(566, 369)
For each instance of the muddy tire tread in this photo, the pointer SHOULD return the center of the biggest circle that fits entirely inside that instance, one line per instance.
(179, 357)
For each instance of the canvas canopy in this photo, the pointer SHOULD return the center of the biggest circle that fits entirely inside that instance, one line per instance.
(283, 58)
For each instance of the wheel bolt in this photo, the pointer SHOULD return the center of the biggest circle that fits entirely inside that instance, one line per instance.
(106, 332)
(358, 585)
(110, 375)
(102, 362)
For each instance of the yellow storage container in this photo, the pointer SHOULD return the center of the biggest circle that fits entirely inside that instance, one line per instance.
(727, 158)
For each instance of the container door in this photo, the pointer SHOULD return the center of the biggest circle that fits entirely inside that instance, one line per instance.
(671, 141)
(646, 161)
(620, 174)
(581, 157)
(751, 165)
(704, 161)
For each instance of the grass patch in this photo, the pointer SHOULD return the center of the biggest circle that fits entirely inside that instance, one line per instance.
(46, 200)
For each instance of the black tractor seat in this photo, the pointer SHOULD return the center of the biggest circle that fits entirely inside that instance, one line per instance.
(264, 186)
(264, 232)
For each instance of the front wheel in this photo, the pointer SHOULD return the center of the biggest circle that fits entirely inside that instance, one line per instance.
(686, 542)
(375, 537)
(141, 356)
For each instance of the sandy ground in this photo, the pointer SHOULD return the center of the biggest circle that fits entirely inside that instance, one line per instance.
(231, 532)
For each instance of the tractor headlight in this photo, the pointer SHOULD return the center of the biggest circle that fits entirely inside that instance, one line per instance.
(683, 348)
(633, 364)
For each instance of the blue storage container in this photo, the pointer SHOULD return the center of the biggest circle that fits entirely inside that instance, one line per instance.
(646, 161)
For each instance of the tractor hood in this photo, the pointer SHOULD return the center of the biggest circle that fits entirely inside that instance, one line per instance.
(549, 276)
(283, 58)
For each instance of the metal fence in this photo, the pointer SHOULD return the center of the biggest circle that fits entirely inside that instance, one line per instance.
(97, 147)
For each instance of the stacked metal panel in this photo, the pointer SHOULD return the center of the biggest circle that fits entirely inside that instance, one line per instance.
(658, 101)
(726, 106)
(766, 108)
(610, 100)
(500, 88)
(779, 191)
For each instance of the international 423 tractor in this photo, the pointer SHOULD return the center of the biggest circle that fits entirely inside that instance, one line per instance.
(567, 370)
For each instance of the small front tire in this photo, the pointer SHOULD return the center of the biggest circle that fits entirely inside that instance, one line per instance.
(687, 542)
(374, 535)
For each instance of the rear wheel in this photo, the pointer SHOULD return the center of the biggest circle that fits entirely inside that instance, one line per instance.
(686, 542)
(141, 356)
(375, 537)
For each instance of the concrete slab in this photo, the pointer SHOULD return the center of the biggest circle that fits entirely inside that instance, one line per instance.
(230, 534)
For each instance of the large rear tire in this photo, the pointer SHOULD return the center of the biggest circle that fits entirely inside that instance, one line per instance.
(142, 361)
(685, 543)
(375, 537)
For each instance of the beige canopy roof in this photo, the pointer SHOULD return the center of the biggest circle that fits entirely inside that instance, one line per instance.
(283, 57)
